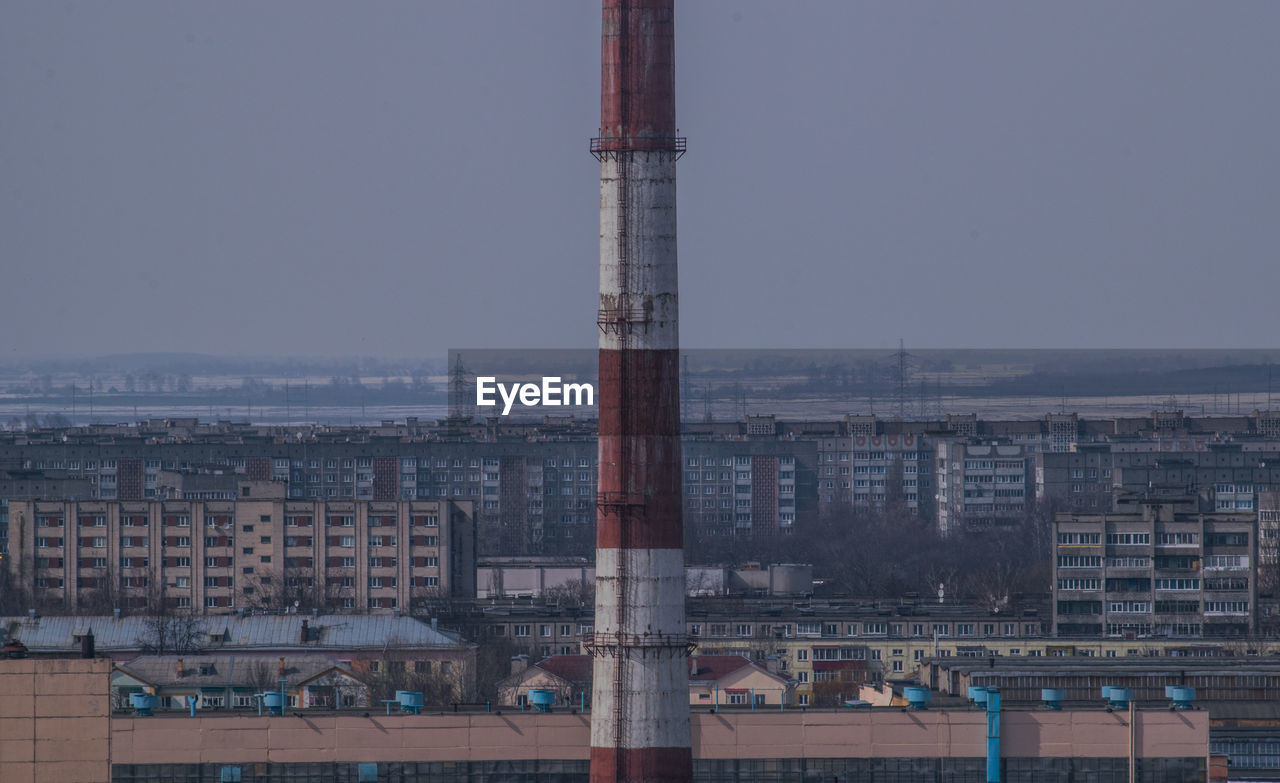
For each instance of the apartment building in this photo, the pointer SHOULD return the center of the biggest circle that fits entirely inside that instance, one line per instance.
(874, 471)
(532, 494)
(1231, 473)
(758, 487)
(981, 486)
(1156, 567)
(259, 550)
(533, 483)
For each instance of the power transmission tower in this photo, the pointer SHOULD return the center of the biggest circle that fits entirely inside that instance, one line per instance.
(902, 375)
(460, 406)
(685, 392)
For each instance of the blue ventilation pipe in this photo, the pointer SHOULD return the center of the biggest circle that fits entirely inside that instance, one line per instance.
(993, 737)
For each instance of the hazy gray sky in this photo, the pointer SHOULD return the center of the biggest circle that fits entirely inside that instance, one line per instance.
(395, 178)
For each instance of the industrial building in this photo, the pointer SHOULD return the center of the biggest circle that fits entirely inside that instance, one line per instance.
(58, 724)
(352, 640)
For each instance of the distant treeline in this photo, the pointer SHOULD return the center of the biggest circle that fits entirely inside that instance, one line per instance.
(339, 391)
(882, 381)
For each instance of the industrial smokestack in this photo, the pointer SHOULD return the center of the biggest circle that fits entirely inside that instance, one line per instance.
(640, 717)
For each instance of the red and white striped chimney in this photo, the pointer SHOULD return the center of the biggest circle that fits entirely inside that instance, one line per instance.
(640, 700)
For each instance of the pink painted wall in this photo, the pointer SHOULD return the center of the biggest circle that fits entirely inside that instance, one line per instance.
(764, 734)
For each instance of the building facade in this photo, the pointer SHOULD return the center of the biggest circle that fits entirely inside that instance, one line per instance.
(259, 550)
(1155, 568)
(982, 486)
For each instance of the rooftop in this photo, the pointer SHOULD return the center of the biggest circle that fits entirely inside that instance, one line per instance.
(232, 633)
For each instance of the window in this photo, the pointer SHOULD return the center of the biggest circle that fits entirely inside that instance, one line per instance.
(1226, 562)
(1128, 539)
(1079, 561)
(1079, 584)
(1078, 539)
(1128, 562)
(520, 630)
(1129, 607)
(1226, 607)
(1178, 584)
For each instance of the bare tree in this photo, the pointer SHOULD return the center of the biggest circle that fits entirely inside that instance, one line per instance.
(295, 590)
(15, 599)
(574, 592)
(259, 676)
(493, 664)
(432, 602)
(102, 599)
(440, 681)
(174, 634)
